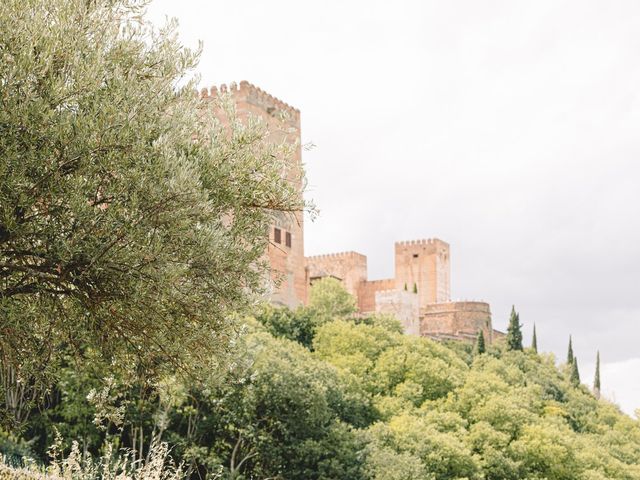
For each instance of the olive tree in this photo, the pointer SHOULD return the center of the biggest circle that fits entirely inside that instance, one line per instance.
(132, 222)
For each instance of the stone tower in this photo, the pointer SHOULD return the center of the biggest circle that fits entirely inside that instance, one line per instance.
(285, 252)
(425, 264)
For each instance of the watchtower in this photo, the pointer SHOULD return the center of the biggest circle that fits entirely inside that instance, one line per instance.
(424, 265)
(286, 236)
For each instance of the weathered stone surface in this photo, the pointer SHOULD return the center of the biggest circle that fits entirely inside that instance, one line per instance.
(458, 319)
(401, 304)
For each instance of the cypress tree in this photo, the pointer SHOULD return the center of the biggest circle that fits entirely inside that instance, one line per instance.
(405, 286)
(534, 340)
(480, 347)
(514, 333)
(570, 356)
(415, 288)
(596, 381)
(575, 374)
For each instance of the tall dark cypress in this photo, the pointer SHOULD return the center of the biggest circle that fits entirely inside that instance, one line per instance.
(480, 347)
(575, 374)
(570, 356)
(534, 340)
(596, 380)
(514, 332)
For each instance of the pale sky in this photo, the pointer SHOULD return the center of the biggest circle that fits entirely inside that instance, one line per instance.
(509, 129)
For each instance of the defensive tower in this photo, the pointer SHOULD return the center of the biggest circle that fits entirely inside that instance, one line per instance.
(424, 264)
(286, 236)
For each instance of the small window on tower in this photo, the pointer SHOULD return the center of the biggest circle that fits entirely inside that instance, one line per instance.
(415, 255)
(287, 239)
(277, 235)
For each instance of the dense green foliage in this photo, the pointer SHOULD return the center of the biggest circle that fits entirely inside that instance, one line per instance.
(131, 221)
(329, 298)
(351, 399)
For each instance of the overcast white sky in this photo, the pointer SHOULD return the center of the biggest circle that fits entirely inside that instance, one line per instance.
(509, 129)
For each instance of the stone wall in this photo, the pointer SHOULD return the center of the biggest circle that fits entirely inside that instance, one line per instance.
(458, 319)
(367, 293)
(402, 305)
(348, 267)
(285, 253)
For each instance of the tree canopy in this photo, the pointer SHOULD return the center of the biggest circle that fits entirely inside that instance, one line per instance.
(364, 403)
(329, 298)
(131, 221)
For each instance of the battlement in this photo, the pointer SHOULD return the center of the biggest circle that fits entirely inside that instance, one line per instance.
(391, 290)
(384, 281)
(460, 306)
(337, 255)
(253, 95)
(424, 241)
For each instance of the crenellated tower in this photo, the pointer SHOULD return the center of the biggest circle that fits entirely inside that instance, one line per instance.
(425, 264)
(286, 236)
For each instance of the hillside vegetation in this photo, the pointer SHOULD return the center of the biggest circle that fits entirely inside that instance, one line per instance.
(316, 395)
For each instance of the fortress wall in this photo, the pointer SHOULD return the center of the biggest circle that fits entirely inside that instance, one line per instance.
(349, 267)
(288, 277)
(498, 335)
(461, 319)
(426, 264)
(401, 304)
(367, 293)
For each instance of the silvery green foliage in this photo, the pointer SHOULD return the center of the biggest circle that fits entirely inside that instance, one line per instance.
(131, 221)
(112, 465)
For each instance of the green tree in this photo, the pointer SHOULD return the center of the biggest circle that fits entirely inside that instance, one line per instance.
(596, 380)
(131, 221)
(570, 357)
(278, 418)
(514, 332)
(415, 288)
(298, 325)
(575, 374)
(534, 340)
(480, 347)
(328, 298)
